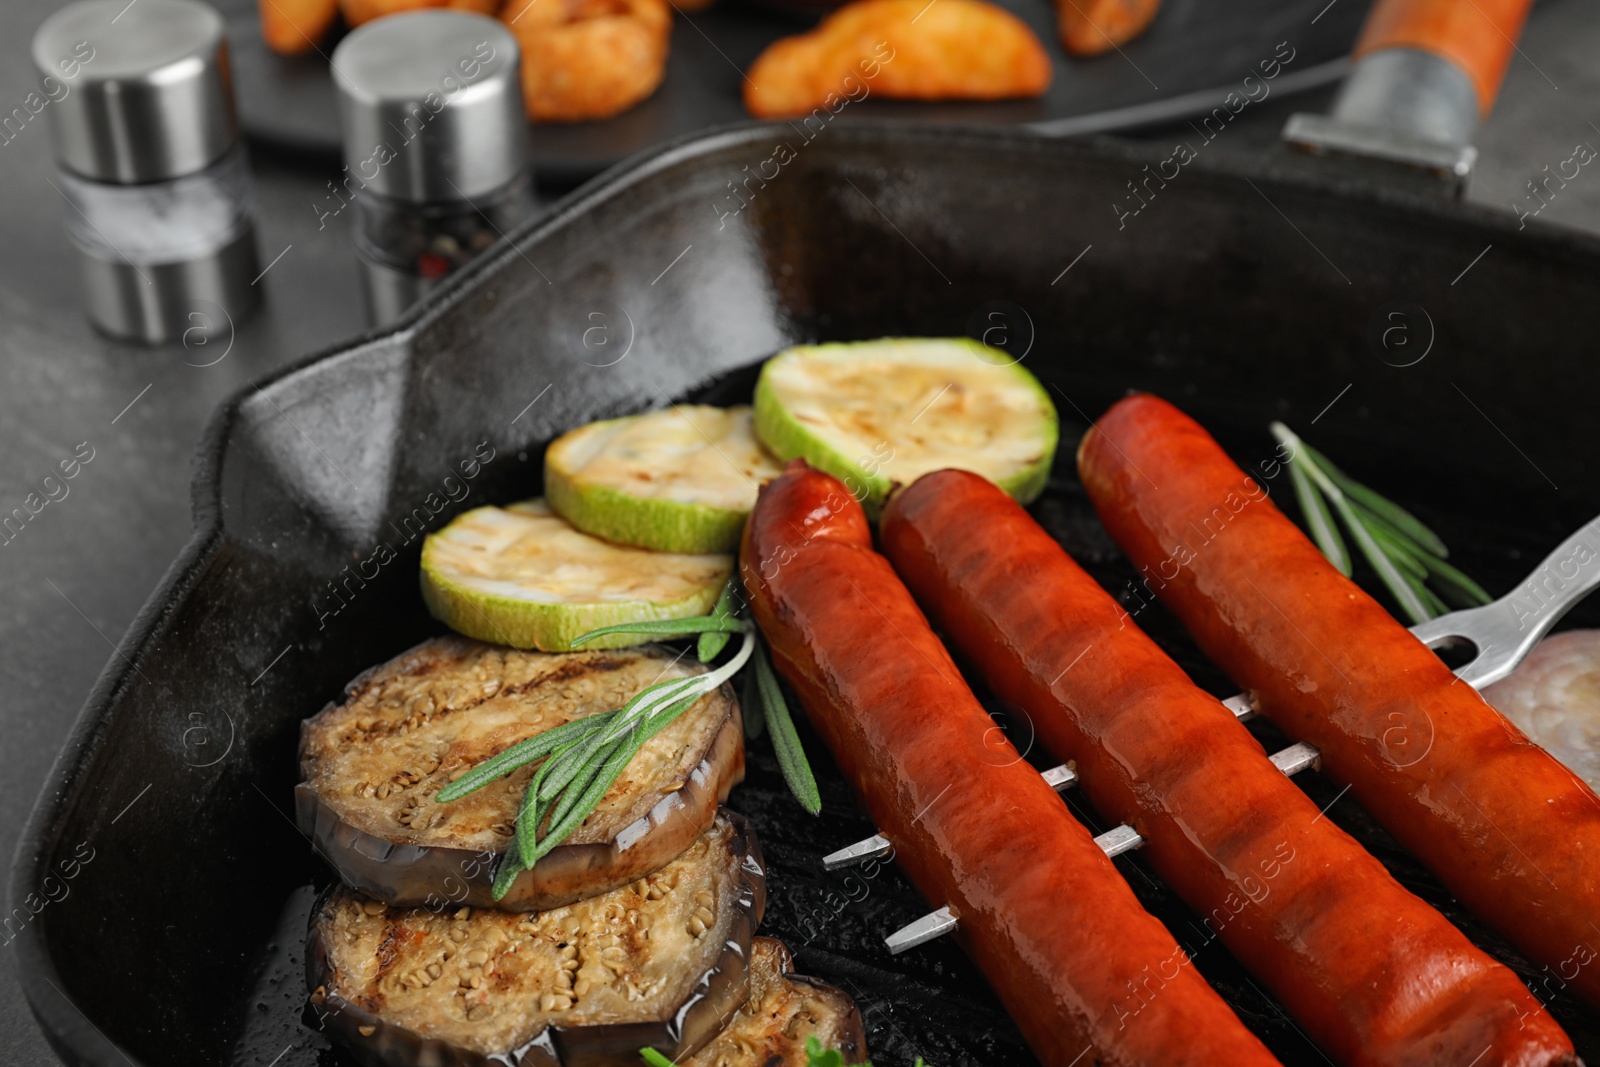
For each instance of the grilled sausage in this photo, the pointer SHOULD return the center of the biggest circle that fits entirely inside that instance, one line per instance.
(1042, 911)
(1373, 975)
(1511, 832)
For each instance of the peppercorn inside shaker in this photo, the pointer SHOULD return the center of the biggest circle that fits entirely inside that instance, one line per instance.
(150, 163)
(434, 144)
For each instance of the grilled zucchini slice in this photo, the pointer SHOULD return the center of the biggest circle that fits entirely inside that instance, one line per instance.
(523, 576)
(877, 413)
(679, 480)
(662, 962)
(372, 764)
(784, 1010)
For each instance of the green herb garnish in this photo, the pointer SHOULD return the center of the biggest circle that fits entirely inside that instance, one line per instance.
(816, 1056)
(785, 738)
(1409, 557)
(761, 698)
(582, 758)
(700, 624)
(582, 762)
(712, 642)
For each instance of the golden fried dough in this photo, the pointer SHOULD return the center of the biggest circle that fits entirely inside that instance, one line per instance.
(588, 59)
(905, 49)
(294, 26)
(1089, 27)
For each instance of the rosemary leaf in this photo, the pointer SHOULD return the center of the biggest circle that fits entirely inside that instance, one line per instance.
(1375, 522)
(506, 874)
(1318, 519)
(1427, 596)
(519, 755)
(712, 642)
(629, 745)
(589, 769)
(580, 783)
(1396, 583)
(651, 699)
(1456, 586)
(755, 723)
(699, 624)
(528, 812)
(785, 739)
(1391, 512)
(567, 763)
(1397, 549)
(578, 802)
(1393, 580)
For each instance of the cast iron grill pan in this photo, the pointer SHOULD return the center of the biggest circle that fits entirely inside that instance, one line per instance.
(180, 940)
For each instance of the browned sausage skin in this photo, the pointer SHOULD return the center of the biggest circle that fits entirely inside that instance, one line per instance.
(1515, 835)
(1372, 974)
(1089, 976)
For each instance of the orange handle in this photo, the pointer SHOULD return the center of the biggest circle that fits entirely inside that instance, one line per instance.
(1476, 35)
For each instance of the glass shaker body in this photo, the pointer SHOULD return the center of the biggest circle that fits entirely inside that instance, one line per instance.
(435, 133)
(164, 260)
(407, 248)
(151, 165)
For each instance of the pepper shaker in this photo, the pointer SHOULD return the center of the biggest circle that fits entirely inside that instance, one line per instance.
(434, 146)
(150, 163)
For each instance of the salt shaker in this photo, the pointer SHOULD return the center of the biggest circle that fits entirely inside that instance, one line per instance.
(150, 162)
(434, 146)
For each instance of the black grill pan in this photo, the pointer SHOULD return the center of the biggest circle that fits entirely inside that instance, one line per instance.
(1242, 294)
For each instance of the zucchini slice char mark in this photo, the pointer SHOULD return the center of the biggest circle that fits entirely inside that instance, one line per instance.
(783, 1010)
(662, 962)
(408, 727)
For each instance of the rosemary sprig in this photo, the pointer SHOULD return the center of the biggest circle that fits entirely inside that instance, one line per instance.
(712, 642)
(1318, 519)
(581, 759)
(520, 755)
(700, 624)
(1408, 557)
(785, 738)
(576, 773)
(761, 698)
(755, 719)
(1365, 499)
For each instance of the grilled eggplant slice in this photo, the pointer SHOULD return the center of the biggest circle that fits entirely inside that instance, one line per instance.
(662, 962)
(373, 764)
(783, 1010)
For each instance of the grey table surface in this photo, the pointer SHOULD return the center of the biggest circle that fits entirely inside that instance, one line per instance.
(72, 581)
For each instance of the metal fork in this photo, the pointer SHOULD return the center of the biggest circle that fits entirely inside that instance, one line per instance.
(1502, 633)
(1506, 630)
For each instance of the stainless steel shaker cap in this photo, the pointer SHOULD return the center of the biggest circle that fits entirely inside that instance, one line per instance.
(138, 92)
(431, 105)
